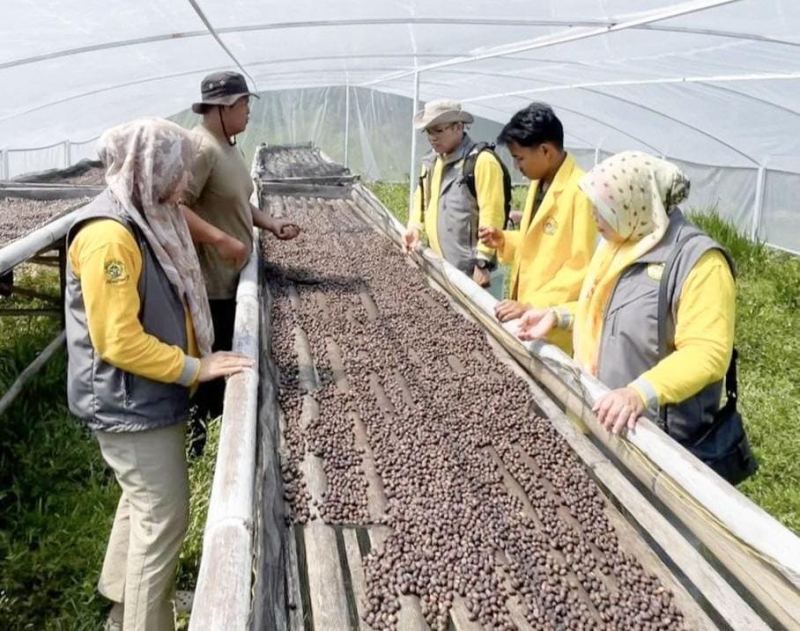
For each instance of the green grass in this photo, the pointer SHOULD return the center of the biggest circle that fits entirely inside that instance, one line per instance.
(767, 325)
(57, 497)
(518, 196)
(394, 197)
(767, 322)
(201, 475)
(57, 500)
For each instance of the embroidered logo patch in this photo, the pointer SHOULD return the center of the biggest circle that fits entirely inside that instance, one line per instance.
(550, 226)
(116, 272)
(655, 271)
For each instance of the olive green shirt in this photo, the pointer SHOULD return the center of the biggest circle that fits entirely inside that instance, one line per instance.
(220, 194)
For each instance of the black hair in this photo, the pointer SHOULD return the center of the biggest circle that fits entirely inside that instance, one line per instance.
(532, 126)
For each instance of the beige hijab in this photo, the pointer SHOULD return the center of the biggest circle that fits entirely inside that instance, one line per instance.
(146, 160)
(634, 193)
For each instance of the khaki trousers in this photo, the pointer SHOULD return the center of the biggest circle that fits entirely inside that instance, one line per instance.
(150, 524)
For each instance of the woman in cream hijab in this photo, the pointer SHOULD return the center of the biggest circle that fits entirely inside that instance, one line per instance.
(615, 322)
(139, 338)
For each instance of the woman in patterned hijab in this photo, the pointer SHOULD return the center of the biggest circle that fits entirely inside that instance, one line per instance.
(635, 198)
(633, 194)
(148, 162)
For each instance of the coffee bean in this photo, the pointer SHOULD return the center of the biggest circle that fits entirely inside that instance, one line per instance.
(444, 429)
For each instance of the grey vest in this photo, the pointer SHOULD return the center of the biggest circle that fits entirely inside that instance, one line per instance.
(629, 344)
(106, 398)
(457, 221)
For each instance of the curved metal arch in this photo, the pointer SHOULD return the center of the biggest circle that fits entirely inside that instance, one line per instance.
(488, 107)
(750, 97)
(582, 114)
(654, 111)
(708, 80)
(514, 77)
(753, 37)
(573, 34)
(677, 81)
(249, 28)
(594, 119)
(599, 121)
(676, 120)
(217, 38)
(390, 21)
(604, 123)
(118, 86)
(208, 69)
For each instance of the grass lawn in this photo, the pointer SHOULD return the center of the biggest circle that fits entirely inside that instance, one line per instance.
(767, 326)
(57, 497)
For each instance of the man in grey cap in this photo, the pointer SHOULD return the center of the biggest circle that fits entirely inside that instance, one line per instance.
(221, 218)
(463, 186)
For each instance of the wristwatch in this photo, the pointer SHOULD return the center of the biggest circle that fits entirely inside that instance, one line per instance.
(485, 265)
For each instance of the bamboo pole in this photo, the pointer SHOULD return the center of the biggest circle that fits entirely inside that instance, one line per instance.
(36, 365)
(31, 244)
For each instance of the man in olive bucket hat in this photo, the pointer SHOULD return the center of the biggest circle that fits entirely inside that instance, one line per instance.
(463, 186)
(221, 218)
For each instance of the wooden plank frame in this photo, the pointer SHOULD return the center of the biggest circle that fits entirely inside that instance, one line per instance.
(742, 572)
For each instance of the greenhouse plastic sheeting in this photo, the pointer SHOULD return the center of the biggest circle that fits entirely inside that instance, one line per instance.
(21, 161)
(713, 84)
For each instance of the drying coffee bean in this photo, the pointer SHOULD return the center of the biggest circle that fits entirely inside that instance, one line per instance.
(446, 425)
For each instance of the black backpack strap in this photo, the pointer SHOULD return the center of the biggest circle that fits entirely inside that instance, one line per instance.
(468, 176)
(468, 168)
(424, 182)
(422, 202)
(731, 382)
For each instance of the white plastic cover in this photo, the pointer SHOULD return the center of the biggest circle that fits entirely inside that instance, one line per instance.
(714, 83)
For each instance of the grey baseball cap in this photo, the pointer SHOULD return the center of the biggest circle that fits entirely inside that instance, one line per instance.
(221, 88)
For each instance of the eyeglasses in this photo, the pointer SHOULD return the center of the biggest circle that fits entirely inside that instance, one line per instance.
(435, 131)
(242, 102)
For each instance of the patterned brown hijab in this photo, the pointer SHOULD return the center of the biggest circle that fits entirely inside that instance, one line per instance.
(146, 161)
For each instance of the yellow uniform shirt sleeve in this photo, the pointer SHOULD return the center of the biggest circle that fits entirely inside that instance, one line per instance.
(432, 210)
(703, 335)
(415, 218)
(513, 238)
(491, 197)
(108, 262)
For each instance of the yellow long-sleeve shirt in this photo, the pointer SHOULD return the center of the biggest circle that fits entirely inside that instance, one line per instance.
(489, 191)
(112, 306)
(704, 330)
(551, 251)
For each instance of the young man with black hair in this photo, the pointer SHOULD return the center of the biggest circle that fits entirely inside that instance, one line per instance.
(552, 249)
